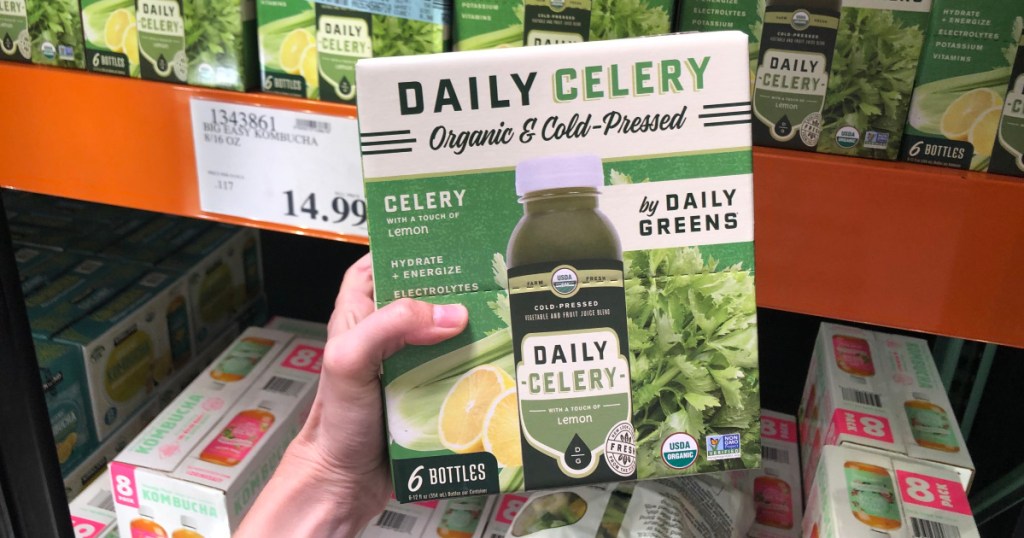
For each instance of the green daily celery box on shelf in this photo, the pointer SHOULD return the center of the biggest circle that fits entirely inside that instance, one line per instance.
(612, 330)
(309, 49)
(715, 15)
(1008, 149)
(838, 79)
(861, 493)
(964, 74)
(111, 37)
(489, 24)
(44, 32)
(204, 43)
(131, 341)
(92, 511)
(223, 470)
(65, 388)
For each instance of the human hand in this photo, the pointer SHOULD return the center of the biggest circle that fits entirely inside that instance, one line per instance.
(341, 447)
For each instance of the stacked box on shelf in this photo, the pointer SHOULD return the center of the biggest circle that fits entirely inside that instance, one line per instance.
(964, 73)
(39, 266)
(111, 37)
(775, 488)
(310, 48)
(217, 459)
(45, 32)
(879, 392)
(66, 389)
(92, 511)
(862, 493)
(209, 44)
(493, 24)
(96, 461)
(836, 76)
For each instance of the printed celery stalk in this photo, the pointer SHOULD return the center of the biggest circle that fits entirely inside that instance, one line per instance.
(288, 55)
(111, 37)
(964, 72)
(56, 30)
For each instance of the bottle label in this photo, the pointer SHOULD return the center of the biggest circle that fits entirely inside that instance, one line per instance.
(242, 358)
(342, 38)
(552, 22)
(237, 439)
(572, 372)
(162, 40)
(930, 425)
(853, 355)
(138, 532)
(872, 494)
(792, 76)
(773, 501)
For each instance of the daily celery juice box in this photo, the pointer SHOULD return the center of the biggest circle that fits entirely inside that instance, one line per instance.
(54, 32)
(964, 73)
(111, 37)
(15, 40)
(836, 76)
(591, 206)
(225, 467)
(859, 493)
(209, 43)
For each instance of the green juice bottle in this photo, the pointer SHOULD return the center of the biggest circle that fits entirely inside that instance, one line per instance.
(568, 306)
(797, 42)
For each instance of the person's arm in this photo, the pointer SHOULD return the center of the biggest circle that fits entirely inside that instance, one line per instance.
(334, 476)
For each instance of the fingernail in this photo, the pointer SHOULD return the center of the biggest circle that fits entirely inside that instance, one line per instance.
(448, 316)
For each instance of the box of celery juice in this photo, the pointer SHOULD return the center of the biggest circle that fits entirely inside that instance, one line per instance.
(55, 31)
(111, 37)
(591, 206)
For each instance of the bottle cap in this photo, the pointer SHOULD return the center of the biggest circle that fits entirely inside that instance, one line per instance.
(189, 522)
(559, 172)
(146, 511)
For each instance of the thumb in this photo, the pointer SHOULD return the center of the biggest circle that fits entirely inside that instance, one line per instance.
(356, 354)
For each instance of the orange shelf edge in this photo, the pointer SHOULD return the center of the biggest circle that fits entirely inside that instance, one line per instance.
(891, 244)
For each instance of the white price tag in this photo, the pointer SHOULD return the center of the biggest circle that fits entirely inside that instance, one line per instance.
(294, 168)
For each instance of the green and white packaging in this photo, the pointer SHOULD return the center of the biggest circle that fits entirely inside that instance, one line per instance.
(850, 98)
(128, 343)
(204, 43)
(712, 15)
(65, 388)
(92, 512)
(503, 23)
(964, 73)
(309, 49)
(1008, 149)
(668, 117)
(111, 37)
(54, 30)
(862, 493)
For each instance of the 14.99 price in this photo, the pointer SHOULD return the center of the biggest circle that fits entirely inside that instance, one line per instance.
(350, 210)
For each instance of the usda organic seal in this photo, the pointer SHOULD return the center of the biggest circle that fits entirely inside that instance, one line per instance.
(679, 450)
(847, 137)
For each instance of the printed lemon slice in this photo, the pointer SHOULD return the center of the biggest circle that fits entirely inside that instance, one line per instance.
(962, 113)
(983, 133)
(309, 69)
(115, 29)
(131, 44)
(461, 422)
(66, 447)
(292, 48)
(501, 430)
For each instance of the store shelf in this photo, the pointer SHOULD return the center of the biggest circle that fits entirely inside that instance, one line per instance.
(114, 140)
(891, 244)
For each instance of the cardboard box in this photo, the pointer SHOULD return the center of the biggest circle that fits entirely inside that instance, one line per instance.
(223, 469)
(54, 31)
(166, 391)
(201, 44)
(111, 37)
(466, 517)
(92, 512)
(775, 488)
(310, 49)
(824, 84)
(130, 341)
(963, 76)
(923, 413)
(39, 266)
(859, 493)
(62, 373)
(622, 118)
